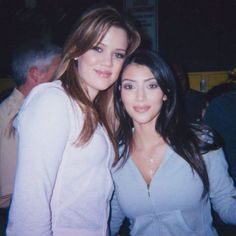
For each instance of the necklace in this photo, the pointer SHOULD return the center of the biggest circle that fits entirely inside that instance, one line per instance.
(152, 169)
(148, 160)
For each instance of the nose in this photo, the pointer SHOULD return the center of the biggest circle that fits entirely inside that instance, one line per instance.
(140, 94)
(107, 59)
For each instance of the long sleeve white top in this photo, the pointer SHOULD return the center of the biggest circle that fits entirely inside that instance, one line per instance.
(60, 189)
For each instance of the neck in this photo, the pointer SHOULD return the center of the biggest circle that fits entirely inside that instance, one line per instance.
(145, 137)
(26, 88)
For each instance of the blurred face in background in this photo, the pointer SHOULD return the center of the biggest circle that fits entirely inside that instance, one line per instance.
(46, 73)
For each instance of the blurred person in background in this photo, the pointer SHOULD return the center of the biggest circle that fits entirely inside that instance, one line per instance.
(221, 116)
(194, 101)
(33, 63)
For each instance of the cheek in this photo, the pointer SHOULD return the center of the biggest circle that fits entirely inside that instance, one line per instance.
(117, 68)
(83, 64)
(86, 59)
(126, 100)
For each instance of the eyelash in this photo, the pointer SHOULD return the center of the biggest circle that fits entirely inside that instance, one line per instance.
(153, 86)
(127, 86)
(150, 86)
(117, 54)
(97, 48)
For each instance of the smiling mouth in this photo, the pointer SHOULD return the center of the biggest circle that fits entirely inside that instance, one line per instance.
(141, 109)
(103, 74)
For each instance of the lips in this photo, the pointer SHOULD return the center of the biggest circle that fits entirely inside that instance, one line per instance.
(103, 73)
(141, 109)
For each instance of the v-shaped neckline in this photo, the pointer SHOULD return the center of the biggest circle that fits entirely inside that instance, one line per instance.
(167, 155)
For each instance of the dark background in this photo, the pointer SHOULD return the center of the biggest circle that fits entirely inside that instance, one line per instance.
(200, 35)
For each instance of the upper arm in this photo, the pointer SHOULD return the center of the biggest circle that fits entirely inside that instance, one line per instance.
(42, 132)
(222, 190)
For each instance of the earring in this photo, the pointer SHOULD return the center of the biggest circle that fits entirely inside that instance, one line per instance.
(164, 98)
(76, 58)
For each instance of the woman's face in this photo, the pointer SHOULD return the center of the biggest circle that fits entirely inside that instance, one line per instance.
(140, 94)
(100, 66)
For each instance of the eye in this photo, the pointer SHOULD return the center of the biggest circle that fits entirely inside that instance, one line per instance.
(152, 85)
(127, 86)
(97, 49)
(119, 55)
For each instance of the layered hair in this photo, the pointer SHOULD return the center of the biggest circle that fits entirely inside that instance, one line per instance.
(190, 141)
(38, 53)
(88, 32)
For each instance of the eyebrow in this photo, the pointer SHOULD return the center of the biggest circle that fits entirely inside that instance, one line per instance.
(146, 80)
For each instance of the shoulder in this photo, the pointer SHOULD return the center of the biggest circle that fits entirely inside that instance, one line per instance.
(46, 101)
(13, 101)
(214, 153)
(214, 158)
(10, 107)
(48, 97)
(48, 90)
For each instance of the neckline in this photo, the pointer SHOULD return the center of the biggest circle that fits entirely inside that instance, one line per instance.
(167, 154)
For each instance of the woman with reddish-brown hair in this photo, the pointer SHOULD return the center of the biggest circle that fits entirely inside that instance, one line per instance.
(65, 134)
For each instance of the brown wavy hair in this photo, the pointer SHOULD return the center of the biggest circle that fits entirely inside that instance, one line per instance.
(88, 31)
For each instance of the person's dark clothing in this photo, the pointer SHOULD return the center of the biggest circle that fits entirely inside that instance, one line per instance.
(195, 103)
(221, 116)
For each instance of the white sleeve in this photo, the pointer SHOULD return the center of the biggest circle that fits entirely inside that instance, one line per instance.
(222, 190)
(42, 132)
(117, 216)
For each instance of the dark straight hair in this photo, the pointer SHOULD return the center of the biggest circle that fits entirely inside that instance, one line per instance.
(187, 140)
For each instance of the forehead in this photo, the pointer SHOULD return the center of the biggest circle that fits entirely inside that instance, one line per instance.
(137, 72)
(115, 37)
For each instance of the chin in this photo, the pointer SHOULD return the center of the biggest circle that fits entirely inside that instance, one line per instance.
(102, 88)
(142, 122)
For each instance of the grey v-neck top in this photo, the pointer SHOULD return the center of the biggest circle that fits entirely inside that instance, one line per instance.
(172, 205)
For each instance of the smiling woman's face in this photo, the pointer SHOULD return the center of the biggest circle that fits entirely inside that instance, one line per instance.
(100, 66)
(141, 95)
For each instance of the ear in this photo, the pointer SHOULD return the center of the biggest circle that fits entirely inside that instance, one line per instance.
(33, 74)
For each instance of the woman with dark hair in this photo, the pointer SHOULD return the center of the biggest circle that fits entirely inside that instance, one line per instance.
(170, 172)
(66, 144)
